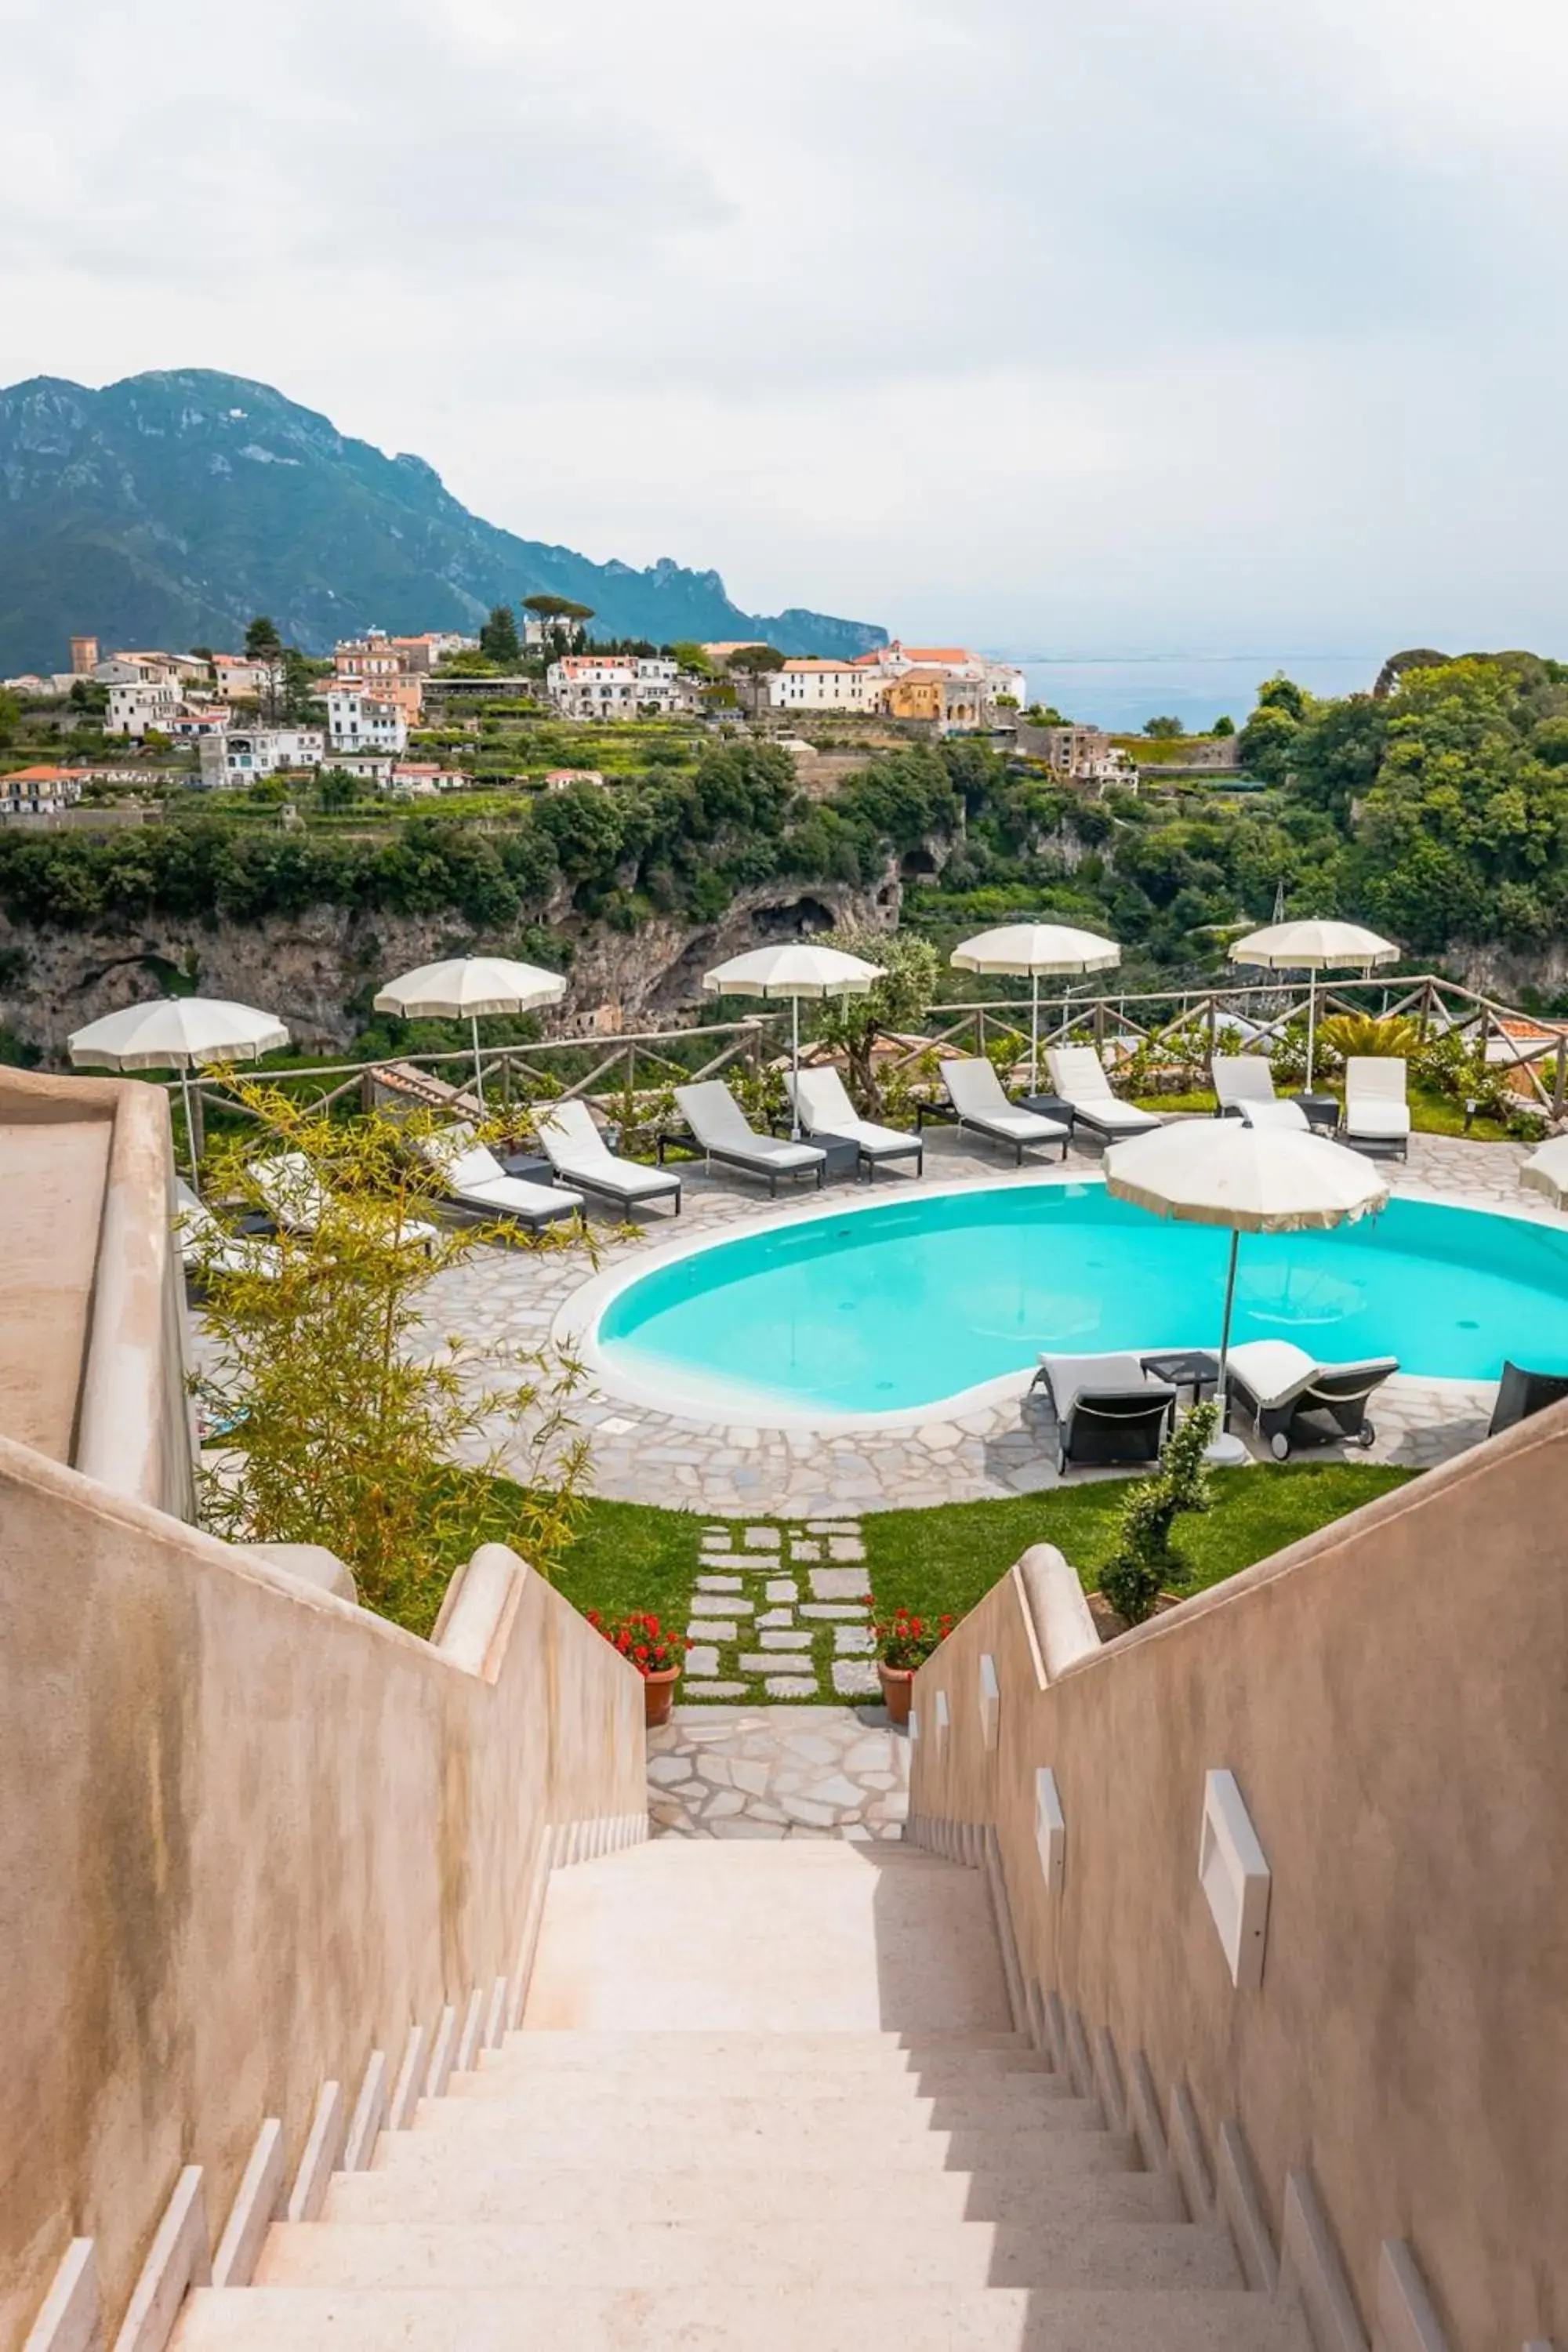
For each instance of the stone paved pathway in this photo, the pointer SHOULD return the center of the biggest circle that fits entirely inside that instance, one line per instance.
(781, 1611)
(778, 1771)
(1008, 1448)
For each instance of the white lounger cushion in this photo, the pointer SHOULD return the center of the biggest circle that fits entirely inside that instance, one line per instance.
(1241, 1078)
(572, 1143)
(515, 1196)
(1078, 1075)
(1273, 1114)
(1071, 1377)
(719, 1125)
(297, 1198)
(1375, 1104)
(205, 1244)
(975, 1092)
(471, 1173)
(825, 1108)
(1274, 1370)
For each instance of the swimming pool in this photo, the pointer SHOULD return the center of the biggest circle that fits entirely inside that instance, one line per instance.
(899, 1306)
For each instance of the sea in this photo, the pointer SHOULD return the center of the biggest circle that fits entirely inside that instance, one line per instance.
(1119, 691)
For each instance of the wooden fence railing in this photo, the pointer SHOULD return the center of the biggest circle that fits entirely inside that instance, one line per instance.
(1118, 1023)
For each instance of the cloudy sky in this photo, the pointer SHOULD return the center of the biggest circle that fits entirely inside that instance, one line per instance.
(1188, 325)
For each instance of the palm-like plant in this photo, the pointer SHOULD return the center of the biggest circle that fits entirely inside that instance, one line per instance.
(1345, 1034)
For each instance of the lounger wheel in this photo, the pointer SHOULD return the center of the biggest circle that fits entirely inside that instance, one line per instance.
(1280, 1446)
(1366, 1435)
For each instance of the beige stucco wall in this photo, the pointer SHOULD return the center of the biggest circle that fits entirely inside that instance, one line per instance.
(92, 1355)
(1392, 1698)
(248, 1833)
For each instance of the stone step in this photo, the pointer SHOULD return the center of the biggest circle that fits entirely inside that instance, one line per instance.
(492, 2319)
(726, 2248)
(903, 2103)
(739, 2071)
(420, 2182)
(1058, 2142)
(663, 2054)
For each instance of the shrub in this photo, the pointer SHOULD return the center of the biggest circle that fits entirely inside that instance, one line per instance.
(1144, 1563)
(1345, 1034)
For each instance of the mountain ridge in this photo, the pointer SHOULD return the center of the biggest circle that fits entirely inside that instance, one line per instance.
(171, 507)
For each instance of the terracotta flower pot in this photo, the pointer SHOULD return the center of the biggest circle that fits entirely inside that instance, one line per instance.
(659, 1695)
(898, 1686)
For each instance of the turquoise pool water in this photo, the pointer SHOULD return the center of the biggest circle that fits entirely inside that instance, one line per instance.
(887, 1308)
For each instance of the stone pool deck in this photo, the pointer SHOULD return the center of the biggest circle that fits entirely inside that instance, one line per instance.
(730, 1473)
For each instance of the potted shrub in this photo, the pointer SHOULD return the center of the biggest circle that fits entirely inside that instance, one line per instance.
(904, 1642)
(658, 1655)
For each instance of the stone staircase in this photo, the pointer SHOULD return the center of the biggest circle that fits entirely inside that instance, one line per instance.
(764, 2096)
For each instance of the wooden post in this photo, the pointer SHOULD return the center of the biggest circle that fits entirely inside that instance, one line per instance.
(1098, 1023)
(1560, 1089)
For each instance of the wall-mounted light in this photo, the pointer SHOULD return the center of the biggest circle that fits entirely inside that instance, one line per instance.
(939, 1712)
(1050, 1830)
(989, 1699)
(1235, 1878)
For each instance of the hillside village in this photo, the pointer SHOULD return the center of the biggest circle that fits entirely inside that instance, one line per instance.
(407, 716)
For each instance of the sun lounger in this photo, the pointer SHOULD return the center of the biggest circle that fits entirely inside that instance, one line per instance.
(1244, 1086)
(402, 1086)
(476, 1179)
(297, 1200)
(1520, 1393)
(206, 1246)
(823, 1105)
(1290, 1399)
(1077, 1075)
(721, 1132)
(575, 1149)
(976, 1094)
(1376, 1111)
(1108, 1409)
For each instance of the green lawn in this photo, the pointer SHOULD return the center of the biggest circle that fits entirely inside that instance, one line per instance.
(632, 1556)
(943, 1560)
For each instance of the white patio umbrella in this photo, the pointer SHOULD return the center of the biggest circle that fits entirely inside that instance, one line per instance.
(795, 970)
(1313, 948)
(465, 988)
(177, 1033)
(1546, 1171)
(1031, 949)
(1253, 1180)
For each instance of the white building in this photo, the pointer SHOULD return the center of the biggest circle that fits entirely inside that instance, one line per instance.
(135, 709)
(191, 721)
(240, 755)
(240, 680)
(956, 662)
(38, 792)
(618, 686)
(842, 685)
(360, 722)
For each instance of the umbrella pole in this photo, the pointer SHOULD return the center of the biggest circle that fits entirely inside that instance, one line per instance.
(1312, 1021)
(190, 1128)
(1034, 1033)
(795, 1068)
(1225, 1449)
(478, 1066)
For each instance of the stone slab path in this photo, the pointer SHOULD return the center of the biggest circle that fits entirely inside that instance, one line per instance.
(778, 1772)
(781, 1612)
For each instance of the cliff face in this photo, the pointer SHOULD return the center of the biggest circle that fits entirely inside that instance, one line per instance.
(307, 968)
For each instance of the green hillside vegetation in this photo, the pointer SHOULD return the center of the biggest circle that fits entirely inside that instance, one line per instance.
(1438, 813)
